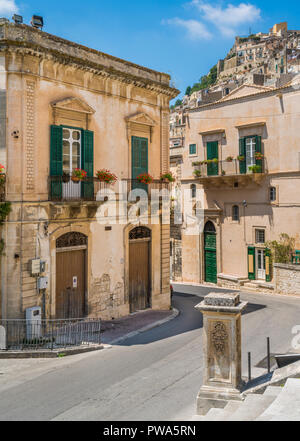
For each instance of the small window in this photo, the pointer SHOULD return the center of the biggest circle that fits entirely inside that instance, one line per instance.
(260, 236)
(235, 213)
(193, 190)
(273, 194)
(193, 149)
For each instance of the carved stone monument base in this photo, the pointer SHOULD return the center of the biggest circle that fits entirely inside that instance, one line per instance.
(212, 397)
(222, 380)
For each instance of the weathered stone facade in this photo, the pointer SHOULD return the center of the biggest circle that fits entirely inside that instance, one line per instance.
(287, 279)
(47, 81)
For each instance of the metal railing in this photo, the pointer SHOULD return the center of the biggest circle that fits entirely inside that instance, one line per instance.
(63, 189)
(228, 168)
(25, 335)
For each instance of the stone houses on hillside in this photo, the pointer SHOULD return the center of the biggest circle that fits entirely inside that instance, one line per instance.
(242, 155)
(66, 107)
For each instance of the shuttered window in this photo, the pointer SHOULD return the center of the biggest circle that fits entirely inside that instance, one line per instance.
(193, 149)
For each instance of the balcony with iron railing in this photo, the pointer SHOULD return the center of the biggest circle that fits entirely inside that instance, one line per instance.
(226, 173)
(92, 189)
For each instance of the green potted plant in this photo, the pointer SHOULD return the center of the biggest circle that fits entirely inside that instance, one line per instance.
(241, 158)
(223, 172)
(229, 159)
(197, 174)
(78, 175)
(106, 176)
(215, 161)
(145, 178)
(167, 177)
(255, 168)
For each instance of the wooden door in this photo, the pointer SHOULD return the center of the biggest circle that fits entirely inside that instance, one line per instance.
(213, 153)
(70, 284)
(210, 251)
(139, 286)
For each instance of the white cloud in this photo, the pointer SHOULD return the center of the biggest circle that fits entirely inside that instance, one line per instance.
(195, 29)
(229, 19)
(8, 7)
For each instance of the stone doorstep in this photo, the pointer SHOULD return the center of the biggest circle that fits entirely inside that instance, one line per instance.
(50, 354)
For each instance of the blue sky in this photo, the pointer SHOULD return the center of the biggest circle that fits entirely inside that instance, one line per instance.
(182, 38)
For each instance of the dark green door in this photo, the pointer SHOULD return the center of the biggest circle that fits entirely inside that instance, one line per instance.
(210, 250)
(212, 153)
(139, 160)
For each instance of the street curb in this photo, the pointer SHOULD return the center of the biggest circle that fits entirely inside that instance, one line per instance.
(6, 355)
(144, 329)
(241, 290)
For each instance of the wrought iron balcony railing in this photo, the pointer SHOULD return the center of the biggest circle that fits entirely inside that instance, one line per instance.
(229, 168)
(91, 189)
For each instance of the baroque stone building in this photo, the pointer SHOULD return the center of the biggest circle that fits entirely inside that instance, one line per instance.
(65, 106)
(241, 160)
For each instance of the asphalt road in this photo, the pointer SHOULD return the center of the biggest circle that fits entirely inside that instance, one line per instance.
(153, 376)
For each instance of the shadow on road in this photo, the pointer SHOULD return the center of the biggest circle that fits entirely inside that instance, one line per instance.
(189, 319)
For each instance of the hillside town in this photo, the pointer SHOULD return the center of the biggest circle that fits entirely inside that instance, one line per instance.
(149, 236)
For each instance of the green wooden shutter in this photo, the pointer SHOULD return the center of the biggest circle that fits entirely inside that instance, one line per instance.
(88, 163)
(243, 153)
(259, 162)
(56, 161)
(213, 153)
(268, 265)
(251, 263)
(139, 160)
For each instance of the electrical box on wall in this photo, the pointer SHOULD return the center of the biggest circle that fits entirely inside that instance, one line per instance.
(35, 267)
(42, 283)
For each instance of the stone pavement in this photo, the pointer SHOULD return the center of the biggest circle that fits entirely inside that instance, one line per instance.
(115, 331)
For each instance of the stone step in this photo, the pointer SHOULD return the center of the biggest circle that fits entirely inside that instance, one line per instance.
(286, 406)
(274, 391)
(253, 406)
(232, 406)
(215, 415)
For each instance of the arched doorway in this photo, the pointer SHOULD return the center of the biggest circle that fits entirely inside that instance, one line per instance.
(139, 269)
(210, 253)
(71, 249)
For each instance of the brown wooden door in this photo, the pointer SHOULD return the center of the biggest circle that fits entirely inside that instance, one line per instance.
(139, 286)
(70, 284)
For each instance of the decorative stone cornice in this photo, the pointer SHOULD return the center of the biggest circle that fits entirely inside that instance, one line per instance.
(74, 104)
(27, 40)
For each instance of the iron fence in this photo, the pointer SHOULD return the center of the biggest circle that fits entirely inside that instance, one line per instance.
(34, 335)
(228, 168)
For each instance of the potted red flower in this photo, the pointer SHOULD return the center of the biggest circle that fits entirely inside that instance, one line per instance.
(2, 174)
(78, 175)
(145, 178)
(106, 176)
(259, 156)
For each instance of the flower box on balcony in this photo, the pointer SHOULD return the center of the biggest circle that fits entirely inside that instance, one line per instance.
(106, 176)
(145, 178)
(167, 177)
(78, 175)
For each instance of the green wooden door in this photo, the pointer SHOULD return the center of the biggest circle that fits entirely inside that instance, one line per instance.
(212, 153)
(139, 160)
(210, 251)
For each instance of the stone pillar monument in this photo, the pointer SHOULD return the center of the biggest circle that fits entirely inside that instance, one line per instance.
(222, 350)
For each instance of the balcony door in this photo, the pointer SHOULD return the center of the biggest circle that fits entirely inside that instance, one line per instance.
(71, 161)
(250, 153)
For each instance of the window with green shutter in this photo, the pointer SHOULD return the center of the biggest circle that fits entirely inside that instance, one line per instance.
(193, 149)
(242, 154)
(87, 160)
(212, 153)
(56, 161)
